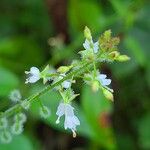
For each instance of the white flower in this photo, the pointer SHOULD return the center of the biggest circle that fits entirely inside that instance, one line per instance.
(66, 84)
(34, 75)
(97, 80)
(102, 79)
(15, 96)
(90, 45)
(71, 121)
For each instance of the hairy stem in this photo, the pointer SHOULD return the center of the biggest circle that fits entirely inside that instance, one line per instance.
(34, 97)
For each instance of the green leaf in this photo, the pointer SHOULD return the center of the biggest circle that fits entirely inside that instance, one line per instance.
(8, 81)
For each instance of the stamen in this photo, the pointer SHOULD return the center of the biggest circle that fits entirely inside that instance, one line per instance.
(74, 134)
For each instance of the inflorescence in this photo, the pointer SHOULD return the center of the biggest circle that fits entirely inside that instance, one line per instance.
(104, 50)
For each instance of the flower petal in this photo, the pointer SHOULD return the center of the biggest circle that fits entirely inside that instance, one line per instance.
(105, 82)
(66, 84)
(60, 110)
(69, 110)
(86, 44)
(96, 47)
(33, 79)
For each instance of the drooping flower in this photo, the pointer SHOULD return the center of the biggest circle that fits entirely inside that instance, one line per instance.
(34, 75)
(15, 96)
(71, 121)
(91, 45)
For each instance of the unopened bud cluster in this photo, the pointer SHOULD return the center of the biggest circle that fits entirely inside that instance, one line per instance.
(10, 127)
(103, 50)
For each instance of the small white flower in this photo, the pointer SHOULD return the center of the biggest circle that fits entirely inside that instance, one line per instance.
(66, 84)
(102, 79)
(44, 112)
(15, 96)
(71, 121)
(97, 80)
(91, 45)
(34, 75)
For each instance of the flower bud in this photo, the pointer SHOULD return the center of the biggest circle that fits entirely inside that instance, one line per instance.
(108, 94)
(87, 33)
(44, 74)
(114, 54)
(64, 69)
(123, 58)
(107, 34)
(95, 86)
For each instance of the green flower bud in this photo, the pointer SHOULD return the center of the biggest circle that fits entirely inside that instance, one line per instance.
(114, 54)
(95, 86)
(108, 94)
(107, 34)
(88, 55)
(123, 58)
(87, 33)
(115, 40)
(64, 69)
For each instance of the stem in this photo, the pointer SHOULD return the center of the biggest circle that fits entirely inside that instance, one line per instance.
(34, 97)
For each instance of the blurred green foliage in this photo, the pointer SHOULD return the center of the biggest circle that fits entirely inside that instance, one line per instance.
(25, 29)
